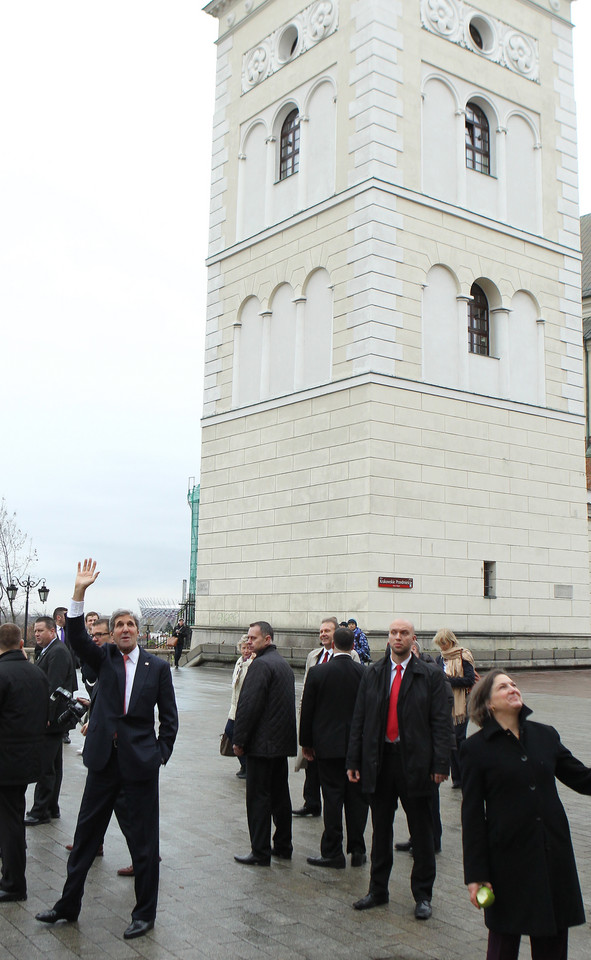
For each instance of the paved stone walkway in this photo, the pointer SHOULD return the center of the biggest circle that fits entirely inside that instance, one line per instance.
(212, 908)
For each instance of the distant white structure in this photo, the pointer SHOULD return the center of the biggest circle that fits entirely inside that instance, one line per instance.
(159, 612)
(394, 368)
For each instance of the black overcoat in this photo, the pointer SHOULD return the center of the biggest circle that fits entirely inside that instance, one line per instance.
(265, 724)
(515, 830)
(424, 721)
(56, 662)
(24, 706)
(328, 702)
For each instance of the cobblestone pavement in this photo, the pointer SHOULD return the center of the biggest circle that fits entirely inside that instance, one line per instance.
(212, 908)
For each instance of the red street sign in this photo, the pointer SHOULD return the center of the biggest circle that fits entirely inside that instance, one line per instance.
(398, 583)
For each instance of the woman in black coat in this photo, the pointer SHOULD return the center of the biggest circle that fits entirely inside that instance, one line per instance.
(516, 835)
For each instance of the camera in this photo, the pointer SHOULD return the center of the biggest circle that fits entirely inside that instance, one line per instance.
(73, 713)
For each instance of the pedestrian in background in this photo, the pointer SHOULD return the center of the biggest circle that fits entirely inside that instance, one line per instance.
(241, 666)
(360, 641)
(458, 665)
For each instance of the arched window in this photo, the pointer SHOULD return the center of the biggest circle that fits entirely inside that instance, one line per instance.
(477, 139)
(289, 146)
(478, 322)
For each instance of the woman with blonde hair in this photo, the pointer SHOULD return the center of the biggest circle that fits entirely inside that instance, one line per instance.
(241, 666)
(458, 665)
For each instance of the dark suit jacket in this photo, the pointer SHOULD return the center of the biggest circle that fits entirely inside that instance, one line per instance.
(328, 701)
(24, 699)
(56, 663)
(140, 752)
(424, 722)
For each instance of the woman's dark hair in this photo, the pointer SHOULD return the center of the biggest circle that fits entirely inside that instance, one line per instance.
(478, 711)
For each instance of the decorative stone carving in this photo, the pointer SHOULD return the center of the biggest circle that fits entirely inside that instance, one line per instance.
(322, 19)
(256, 65)
(443, 16)
(313, 24)
(509, 48)
(520, 53)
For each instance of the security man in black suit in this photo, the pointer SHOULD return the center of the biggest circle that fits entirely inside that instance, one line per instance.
(328, 702)
(399, 745)
(123, 755)
(24, 700)
(55, 661)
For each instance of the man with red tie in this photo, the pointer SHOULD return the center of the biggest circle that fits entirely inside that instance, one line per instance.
(123, 755)
(399, 745)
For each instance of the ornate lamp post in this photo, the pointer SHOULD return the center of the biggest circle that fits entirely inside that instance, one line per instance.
(27, 585)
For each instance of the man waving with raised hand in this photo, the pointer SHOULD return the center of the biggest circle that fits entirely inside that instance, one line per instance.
(123, 755)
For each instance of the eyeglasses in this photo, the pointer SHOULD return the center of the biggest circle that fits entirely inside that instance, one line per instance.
(98, 633)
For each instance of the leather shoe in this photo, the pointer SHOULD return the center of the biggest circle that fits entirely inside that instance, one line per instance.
(371, 900)
(52, 916)
(251, 861)
(306, 812)
(31, 821)
(126, 872)
(337, 863)
(358, 859)
(281, 854)
(7, 897)
(405, 847)
(137, 928)
(423, 910)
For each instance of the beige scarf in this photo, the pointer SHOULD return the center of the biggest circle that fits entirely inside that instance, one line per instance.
(453, 668)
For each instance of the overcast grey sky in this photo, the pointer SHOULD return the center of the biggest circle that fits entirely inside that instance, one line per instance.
(104, 188)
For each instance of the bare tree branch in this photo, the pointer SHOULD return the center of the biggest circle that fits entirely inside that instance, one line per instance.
(16, 555)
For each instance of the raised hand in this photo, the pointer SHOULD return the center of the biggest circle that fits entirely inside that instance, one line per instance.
(86, 575)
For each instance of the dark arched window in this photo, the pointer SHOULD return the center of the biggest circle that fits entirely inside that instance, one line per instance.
(478, 322)
(477, 139)
(289, 147)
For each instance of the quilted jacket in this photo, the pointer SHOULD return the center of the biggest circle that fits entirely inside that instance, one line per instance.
(265, 724)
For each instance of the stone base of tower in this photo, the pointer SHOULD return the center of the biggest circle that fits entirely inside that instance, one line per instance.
(479, 503)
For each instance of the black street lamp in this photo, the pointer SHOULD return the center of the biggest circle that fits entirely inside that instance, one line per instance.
(27, 585)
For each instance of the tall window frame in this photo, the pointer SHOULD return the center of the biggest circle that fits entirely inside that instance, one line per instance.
(477, 139)
(289, 145)
(478, 322)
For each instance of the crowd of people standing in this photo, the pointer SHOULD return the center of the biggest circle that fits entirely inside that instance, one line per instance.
(371, 736)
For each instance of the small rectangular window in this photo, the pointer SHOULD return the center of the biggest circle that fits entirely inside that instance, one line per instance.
(490, 579)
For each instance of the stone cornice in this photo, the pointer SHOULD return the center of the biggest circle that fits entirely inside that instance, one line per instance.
(404, 193)
(382, 379)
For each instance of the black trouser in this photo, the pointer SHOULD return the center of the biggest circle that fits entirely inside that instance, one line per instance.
(139, 824)
(12, 838)
(312, 799)
(338, 792)
(460, 732)
(229, 731)
(505, 946)
(267, 797)
(391, 786)
(178, 650)
(47, 788)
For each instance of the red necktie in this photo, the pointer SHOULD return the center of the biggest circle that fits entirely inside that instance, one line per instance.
(125, 659)
(325, 657)
(392, 724)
